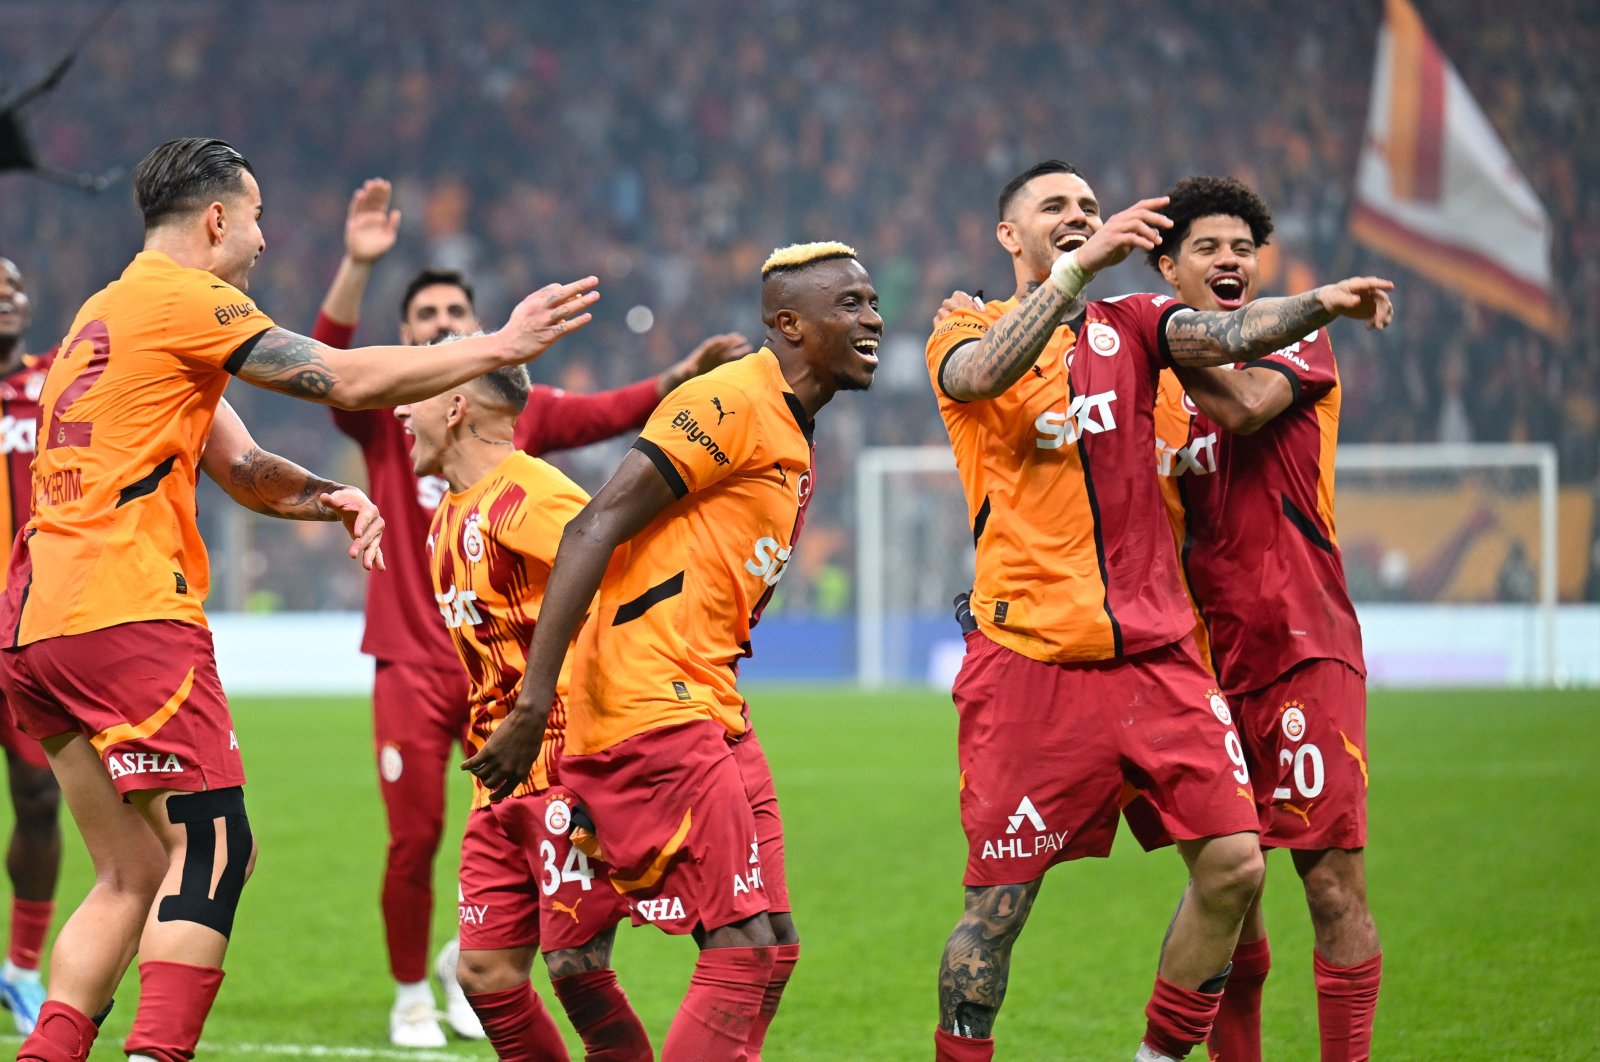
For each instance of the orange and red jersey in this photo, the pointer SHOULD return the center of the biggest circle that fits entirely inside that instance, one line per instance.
(127, 407)
(19, 432)
(1254, 514)
(490, 551)
(678, 601)
(1074, 557)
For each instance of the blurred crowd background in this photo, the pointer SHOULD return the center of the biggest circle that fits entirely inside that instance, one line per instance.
(667, 147)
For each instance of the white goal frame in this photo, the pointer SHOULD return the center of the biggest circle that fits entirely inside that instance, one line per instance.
(878, 462)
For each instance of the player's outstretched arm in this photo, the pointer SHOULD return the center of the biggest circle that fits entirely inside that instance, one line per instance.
(1242, 402)
(1210, 337)
(635, 494)
(275, 486)
(374, 377)
(370, 229)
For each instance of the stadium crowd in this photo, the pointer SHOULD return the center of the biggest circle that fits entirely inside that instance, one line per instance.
(666, 148)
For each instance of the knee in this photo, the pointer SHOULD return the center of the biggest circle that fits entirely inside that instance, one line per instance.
(998, 911)
(488, 971)
(37, 801)
(1230, 874)
(783, 928)
(1332, 896)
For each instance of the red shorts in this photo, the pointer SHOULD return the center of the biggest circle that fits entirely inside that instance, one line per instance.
(1046, 749)
(672, 818)
(763, 797)
(524, 884)
(1306, 739)
(146, 694)
(419, 719)
(19, 744)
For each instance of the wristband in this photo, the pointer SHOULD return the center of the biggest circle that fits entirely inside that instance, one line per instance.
(1069, 276)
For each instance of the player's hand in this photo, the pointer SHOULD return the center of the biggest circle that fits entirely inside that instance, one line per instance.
(553, 311)
(1364, 298)
(1137, 228)
(506, 758)
(370, 227)
(712, 351)
(364, 523)
(956, 300)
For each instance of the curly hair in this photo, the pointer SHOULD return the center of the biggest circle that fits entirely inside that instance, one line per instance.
(1202, 197)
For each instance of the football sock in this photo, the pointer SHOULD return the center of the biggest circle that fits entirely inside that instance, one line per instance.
(407, 916)
(1347, 998)
(174, 999)
(785, 956)
(948, 1047)
(30, 924)
(1178, 1018)
(62, 1035)
(1236, 1034)
(518, 1025)
(724, 999)
(606, 1022)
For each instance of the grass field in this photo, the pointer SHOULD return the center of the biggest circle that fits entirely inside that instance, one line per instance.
(1484, 866)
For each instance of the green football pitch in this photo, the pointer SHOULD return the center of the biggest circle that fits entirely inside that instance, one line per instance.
(1484, 867)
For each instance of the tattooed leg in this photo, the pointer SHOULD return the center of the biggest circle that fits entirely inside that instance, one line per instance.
(595, 955)
(977, 958)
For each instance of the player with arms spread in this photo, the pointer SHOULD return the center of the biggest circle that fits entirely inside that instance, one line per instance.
(523, 886)
(1250, 455)
(685, 544)
(111, 569)
(1080, 683)
(419, 694)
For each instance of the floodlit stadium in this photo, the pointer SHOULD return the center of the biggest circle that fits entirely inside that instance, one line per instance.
(666, 149)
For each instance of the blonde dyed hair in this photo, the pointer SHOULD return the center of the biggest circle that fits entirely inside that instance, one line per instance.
(803, 254)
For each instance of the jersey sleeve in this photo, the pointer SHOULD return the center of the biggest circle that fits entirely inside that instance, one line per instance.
(560, 420)
(1308, 365)
(954, 332)
(214, 323)
(700, 433)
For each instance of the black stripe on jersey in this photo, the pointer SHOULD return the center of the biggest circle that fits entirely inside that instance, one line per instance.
(943, 390)
(1306, 526)
(235, 360)
(146, 485)
(807, 425)
(1288, 373)
(981, 522)
(1162, 346)
(658, 593)
(1099, 537)
(664, 465)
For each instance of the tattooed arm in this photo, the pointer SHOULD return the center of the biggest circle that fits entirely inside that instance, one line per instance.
(987, 367)
(1207, 337)
(275, 486)
(373, 377)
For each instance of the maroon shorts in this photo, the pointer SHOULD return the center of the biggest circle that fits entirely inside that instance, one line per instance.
(146, 694)
(16, 742)
(523, 883)
(1306, 738)
(763, 796)
(419, 720)
(1046, 751)
(673, 820)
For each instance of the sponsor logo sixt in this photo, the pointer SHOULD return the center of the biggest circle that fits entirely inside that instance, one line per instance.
(694, 433)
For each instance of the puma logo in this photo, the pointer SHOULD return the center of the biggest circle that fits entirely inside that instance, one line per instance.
(1037, 371)
(1305, 816)
(716, 404)
(557, 905)
(783, 477)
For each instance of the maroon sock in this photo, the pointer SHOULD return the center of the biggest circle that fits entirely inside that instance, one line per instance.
(948, 1047)
(63, 1034)
(174, 999)
(724, 999)
(30, 924)
(1179, 1018)
(1347, 999)
(599, 1010)
(785, 956)
(518, 1025)
(1236, 1034)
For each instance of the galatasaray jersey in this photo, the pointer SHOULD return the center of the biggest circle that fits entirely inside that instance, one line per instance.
(1258, 539)
(490, 550)
(679, 600)
(19, 432)
(1074, 556)
(127, 407)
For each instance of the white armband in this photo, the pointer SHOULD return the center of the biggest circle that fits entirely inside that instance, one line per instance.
(1071, 278)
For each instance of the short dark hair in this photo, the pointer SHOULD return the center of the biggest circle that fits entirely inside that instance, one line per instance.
(1202, 197)
(1038, 169)
(427, 279)
(509, 384)
(184, 175)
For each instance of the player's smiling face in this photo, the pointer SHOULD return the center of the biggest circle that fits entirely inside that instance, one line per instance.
(847, 326)
(1217, 264)
(14, 304)
(428, 423)
(1052, 214)
(242, 242)
(436, 310)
